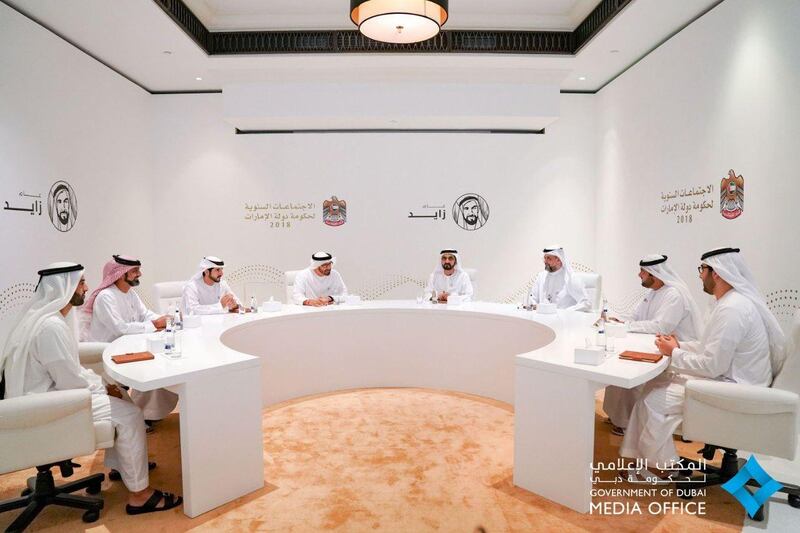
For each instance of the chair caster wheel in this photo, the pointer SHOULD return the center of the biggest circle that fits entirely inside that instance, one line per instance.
(92, 515)
(794, 501)
(93, 489)
(25, 492)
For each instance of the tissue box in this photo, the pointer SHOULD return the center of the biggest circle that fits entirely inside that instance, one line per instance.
(546, 308)
(155, 344)
(590, 356)
(352, 299)
(192, 321)
(271, 306)
(455, 299)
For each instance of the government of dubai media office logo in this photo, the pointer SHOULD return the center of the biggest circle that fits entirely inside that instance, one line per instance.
(471, 211)
(334, 212)
(62, 206)
(737, 486)
(731, 195)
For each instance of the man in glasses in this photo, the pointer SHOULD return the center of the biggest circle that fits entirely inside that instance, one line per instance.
(449, 278)
(742, 342)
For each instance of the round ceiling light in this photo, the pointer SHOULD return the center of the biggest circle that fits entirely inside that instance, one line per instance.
(399, 21)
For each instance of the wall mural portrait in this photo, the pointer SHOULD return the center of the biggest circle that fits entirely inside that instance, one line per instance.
(470, 211)
(731, 195)
(62, 206)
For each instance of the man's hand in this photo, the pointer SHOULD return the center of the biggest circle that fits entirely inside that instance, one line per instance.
(442, 297)
(114, 391)
(615, 319)
(160, 322)
(317, 302)
(666, 344)
(228, 301)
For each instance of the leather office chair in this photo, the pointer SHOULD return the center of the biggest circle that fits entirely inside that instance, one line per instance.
(166, 295)
(91, 357)
(473, 278)
(289, 276)
(47, 430)
(764, 421)
(593, 282)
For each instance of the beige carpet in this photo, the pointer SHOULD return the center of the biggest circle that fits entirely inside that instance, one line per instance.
(378, 460)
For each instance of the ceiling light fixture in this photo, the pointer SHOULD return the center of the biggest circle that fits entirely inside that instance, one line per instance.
(199, 78)
(399, 21)
(582, 78)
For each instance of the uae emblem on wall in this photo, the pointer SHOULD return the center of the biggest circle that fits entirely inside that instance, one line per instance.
(62, 206)
(731, 195)
(470, 211)
(334, 211)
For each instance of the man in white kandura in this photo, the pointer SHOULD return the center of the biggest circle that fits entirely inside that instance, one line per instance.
(41, 355)
(449, 278)
(115, 310)
(207, 293)
(667, 308)
(319, 284)
(558, 284)
(742, 342)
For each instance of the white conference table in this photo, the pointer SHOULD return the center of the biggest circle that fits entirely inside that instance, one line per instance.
(234, 365)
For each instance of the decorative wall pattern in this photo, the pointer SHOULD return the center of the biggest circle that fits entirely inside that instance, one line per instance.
(784, 303)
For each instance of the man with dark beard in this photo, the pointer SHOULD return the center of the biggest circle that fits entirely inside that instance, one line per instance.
(449, 278)
(115, 310)
(742, 342)
(41, 355)
(557, 283)
(207, 293)
(667, 308)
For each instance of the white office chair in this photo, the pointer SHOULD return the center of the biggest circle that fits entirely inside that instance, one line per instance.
(91, 357)
(289, 276)
(166, 295)
(761, 420)
(473, 278)
(47, 430)
(593, 282)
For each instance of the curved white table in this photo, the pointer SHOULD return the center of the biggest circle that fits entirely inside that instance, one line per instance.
(235, 364)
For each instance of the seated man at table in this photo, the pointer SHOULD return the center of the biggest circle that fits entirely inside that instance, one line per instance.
(449, 278)
(207, 293)
(41, 355)
(319, 285)
(742, 342)
(558, 284)
(115, 310)
(667, 308)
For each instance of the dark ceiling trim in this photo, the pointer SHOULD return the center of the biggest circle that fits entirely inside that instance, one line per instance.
(596, 21)
(390, 130)
(351, 41)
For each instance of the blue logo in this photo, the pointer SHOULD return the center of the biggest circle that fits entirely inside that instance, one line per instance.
(736, 486)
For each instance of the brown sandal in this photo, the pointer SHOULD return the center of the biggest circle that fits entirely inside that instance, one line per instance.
(151, 505)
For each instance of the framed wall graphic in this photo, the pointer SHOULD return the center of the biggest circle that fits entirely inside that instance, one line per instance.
(731, 195)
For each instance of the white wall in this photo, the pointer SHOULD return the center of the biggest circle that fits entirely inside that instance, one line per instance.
(64, 116)
(206, 174)
(722, 94)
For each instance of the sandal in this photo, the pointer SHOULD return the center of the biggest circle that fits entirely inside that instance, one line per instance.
(616, 430)
(114, 475)
(151, 505)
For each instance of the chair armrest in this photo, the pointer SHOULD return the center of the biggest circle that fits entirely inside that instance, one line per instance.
(743, 417)
(91, 352)
(34, 410)
(740, 398)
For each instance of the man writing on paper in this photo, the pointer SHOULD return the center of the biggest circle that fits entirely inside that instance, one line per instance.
(449, 278)
(667, 308)
(207, 293)
(557, 283)
(115, 310)
(742, 342)
(41, 355)
(319, 285)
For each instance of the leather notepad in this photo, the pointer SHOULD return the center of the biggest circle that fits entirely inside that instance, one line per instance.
(132, 357)
(641, 356)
